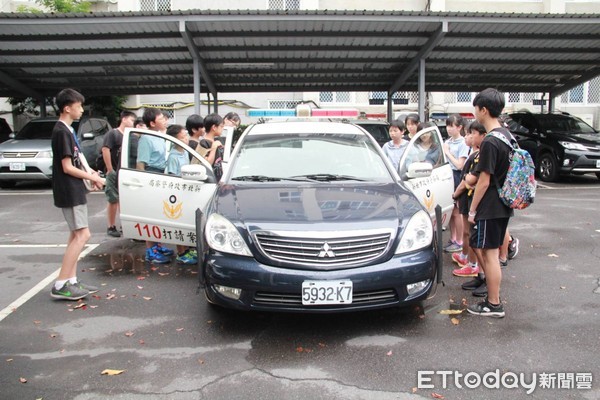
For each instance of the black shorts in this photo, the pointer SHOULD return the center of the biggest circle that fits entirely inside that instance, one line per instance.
(456, 175)
(488, 233)
(463, 204)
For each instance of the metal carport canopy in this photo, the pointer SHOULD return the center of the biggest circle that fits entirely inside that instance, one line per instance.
(275, 51)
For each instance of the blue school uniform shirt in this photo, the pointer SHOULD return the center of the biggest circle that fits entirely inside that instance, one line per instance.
(393, 153)
(151, 151)
(458, 148)
(177, 159)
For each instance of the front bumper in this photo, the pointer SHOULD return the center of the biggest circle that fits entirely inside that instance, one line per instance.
(267, 288)
(576, 163)
(35, 170)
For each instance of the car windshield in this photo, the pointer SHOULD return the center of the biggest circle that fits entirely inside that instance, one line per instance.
(557, 123)
(311, 157)
(39, 130)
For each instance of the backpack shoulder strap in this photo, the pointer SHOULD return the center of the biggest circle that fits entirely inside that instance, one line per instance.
(502, 137)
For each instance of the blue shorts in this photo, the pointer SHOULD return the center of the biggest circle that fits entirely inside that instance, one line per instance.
(488, 233)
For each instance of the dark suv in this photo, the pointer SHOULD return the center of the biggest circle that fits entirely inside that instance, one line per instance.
(560, 144)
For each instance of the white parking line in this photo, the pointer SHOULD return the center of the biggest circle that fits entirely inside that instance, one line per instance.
(42, 284)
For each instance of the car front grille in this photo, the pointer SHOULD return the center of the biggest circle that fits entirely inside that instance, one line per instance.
(20, 154)
(295, 300)
(323, 251)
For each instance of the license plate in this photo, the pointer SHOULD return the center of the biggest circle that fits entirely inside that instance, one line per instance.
(326, 292)
(597, 163)
(16, 166)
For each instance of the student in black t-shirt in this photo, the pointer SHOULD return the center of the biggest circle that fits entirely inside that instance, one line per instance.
(195, 128)
(487, 213)
(70, 194)
(111, 154)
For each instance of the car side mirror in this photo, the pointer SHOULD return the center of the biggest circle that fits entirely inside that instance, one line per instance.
(12, 136)
(194, 172)
(87, 136)
(419, 170)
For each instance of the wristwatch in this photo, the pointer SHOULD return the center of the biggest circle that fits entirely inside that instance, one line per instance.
(472, 213)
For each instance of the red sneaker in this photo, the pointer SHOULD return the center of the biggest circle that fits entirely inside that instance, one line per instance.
(461, 260)
(468, 271)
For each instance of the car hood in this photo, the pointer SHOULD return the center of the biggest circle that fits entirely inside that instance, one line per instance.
(591, 139)
(26, 145)
(322, 206)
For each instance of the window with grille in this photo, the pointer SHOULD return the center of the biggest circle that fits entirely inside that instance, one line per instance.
(279, 104)
(166, 108)
(335, 97)
(593, 96)
(514, 97)
(450, 97)
(155, 5)
(576, 94)
(463, 97)
(377, 95)
(284, 4)
(528, 97)
(326, 97)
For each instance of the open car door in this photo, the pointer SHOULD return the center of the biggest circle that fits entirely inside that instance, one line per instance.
(160, 207)
(423, 154)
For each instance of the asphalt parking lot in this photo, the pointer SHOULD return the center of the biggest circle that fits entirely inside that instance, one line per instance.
(149, 323)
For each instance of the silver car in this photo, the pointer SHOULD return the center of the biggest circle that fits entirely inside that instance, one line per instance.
(28, 155)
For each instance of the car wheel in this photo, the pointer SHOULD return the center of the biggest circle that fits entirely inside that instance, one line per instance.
(7, 184)
(547, 168)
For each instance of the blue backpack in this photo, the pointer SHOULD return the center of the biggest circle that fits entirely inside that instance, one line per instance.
(519, 187)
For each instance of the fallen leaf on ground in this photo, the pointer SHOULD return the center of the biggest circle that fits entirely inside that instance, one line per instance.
(299, 349)
(163, 273)
(96, 296)
(141, 341)
(553, 255)
(563, 287)
(110, 296)
(22, 380)
(9, 359)
(179, 329)
(37, 322)
(322, 344)
(112, 372)
(200, 361)
(93, 306)
(141, 278)
(414, 390)
(129, 334)
(147, 298)
(91, 269)
(450, 312)
(389, 353)
(140, 287)
(455, 321)
(436, 395)
(81, 305)
(53, 335)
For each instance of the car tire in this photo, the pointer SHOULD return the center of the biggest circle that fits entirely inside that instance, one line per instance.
(7, 184)
(547, 168)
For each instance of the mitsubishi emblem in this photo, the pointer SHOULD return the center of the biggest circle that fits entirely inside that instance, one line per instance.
(326, 251)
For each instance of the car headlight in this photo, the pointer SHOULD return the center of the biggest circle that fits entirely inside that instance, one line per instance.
(222, 236)
(417, 234)
(44, 154)
(572, 146)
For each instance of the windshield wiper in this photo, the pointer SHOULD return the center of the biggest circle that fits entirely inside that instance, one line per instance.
(329, 177)
(256, 178)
